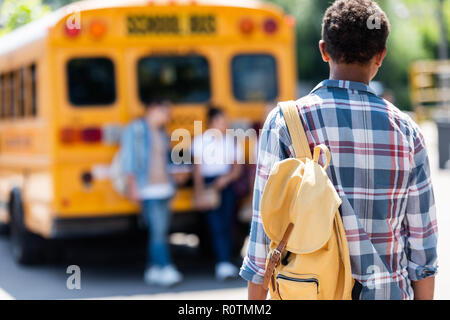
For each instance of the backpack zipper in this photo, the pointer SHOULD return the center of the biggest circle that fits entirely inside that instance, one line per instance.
(310, 280)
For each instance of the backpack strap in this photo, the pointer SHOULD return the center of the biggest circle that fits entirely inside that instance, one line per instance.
(276, 257)
(296, 130)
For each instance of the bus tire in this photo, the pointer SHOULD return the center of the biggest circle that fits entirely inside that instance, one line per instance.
(26, 247)
(205, 242)
(4, 229)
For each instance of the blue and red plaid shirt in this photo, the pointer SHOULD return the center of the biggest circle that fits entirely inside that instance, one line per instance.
(381, 171)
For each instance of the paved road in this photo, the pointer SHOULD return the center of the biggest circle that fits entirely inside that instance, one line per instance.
(112, 268)
(109, 273)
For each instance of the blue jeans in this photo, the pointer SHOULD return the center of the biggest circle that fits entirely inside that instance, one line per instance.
(220, 222)
(156, 216)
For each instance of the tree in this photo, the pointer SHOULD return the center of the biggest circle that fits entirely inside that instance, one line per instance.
(16, 13)
(414, 36)
(55, 4)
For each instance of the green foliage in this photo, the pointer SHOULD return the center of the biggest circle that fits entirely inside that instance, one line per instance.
(414, 36)
(55, 4)
(309, 16)
(16, 13)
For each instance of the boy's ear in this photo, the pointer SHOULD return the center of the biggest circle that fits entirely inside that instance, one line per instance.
(379, 58)
(323, 51)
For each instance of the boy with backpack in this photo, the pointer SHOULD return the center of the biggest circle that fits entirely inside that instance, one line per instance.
(145, 161)
(379, 165)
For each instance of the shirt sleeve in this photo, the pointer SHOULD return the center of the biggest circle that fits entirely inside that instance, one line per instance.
(273, 147)
(126, 153)
(421, 225)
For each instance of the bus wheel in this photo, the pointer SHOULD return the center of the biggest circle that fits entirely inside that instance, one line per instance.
(26, 246)
(4, 229)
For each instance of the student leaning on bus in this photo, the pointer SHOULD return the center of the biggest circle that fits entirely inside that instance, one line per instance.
(379, 166)
(145, 159)
(216, 167)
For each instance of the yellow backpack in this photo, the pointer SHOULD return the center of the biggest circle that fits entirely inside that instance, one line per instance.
(309, 257)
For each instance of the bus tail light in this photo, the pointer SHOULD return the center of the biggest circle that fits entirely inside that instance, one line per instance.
(72, 30)
(87, 135)
(69, 135)
(91, 135)
(270, 26)
(247, 26)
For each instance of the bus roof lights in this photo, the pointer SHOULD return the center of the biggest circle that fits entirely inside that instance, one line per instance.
(270, 26)
(247, 26)
(72, 31)
(97, 29)
(290, 20)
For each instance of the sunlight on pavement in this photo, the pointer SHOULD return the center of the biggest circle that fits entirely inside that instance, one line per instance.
(441, 182)
(4, 295)
(225, 294)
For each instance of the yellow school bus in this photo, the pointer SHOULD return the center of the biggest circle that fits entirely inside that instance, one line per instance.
(429, 87)
(71, 81)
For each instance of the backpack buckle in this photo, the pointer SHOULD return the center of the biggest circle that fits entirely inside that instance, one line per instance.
(277, 252)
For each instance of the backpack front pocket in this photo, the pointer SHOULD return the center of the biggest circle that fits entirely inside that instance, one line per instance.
(297, 287)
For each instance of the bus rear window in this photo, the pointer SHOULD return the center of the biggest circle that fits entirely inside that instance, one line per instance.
(91, 82)
(177, 79)
(254, 77)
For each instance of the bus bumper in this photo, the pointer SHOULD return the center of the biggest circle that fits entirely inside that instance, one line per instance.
(97, 226)
(186, 222)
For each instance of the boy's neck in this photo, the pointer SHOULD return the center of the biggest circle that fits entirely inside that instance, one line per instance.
(350, 72)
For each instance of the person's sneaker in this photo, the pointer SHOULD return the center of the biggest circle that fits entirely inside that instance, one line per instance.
(225, 270)
(165, 277)
(152, 275)
(169, 276)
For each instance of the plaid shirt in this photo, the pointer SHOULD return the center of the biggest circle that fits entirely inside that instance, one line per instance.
(381, 171)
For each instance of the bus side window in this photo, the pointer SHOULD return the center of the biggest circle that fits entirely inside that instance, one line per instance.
(18, 101)
(21, 93)
(33, 90)
(12, 95)
(26, 93)
(2, 97)
(7, 92)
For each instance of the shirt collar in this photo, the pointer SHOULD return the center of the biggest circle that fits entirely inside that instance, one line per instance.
(345, 84)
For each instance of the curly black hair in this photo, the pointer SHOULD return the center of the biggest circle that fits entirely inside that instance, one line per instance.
(354, 31)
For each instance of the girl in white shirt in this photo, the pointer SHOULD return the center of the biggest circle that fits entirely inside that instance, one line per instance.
(215, 165)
